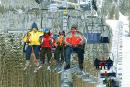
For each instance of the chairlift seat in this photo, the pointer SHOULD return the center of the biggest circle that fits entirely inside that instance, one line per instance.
(92, 38)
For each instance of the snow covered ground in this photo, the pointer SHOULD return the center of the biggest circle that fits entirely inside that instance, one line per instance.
(126, 62)
(122, 44)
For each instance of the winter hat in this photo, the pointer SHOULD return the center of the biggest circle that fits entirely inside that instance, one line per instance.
(46, 30)
(74, 26)
(62, 32)
(34, 25)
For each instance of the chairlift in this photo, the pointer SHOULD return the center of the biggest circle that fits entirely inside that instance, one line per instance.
(94, 34)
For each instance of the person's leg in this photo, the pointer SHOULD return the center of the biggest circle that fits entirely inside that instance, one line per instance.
(80, 57)
(97, 67)
(28, 52)
(42, 55)
(97, 64)
(62, 54)
(104, 66)
(57, 54)
(68, 52)
(49, 54)
(101, 66)
(108, 66)
(28, 55)
(36, 51)
(80, 53)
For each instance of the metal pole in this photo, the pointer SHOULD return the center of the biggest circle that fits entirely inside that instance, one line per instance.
(129, 26)
(41, 20)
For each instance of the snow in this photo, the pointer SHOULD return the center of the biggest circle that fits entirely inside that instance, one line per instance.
(126, 62)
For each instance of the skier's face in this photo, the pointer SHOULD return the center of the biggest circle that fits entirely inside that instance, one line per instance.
(34, 30)
(47, 34)
(61, 34)
(73, 30)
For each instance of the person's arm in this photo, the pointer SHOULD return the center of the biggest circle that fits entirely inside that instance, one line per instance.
(24, 44)
(53, 42)
(25, 38)
(68, 41)
(40, 39)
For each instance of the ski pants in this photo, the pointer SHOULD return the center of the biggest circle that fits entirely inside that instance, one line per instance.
(79, 51)
(35, 48)
(59, 53)
(43, 53)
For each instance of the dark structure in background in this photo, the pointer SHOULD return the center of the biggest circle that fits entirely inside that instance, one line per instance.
(38, 1)
(94, 5)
